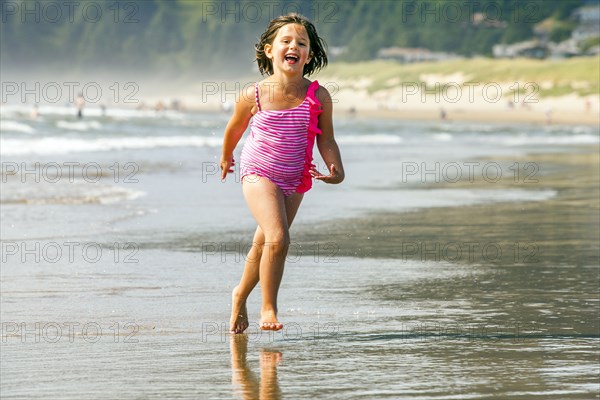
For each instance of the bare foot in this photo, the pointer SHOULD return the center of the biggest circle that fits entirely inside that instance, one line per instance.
(239, 314)
(269, 322)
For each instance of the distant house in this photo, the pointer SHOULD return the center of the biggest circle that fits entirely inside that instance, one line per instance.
(530, 49)
(594, 50)
(564, 49)
(589, 22)
(413, 54)
(588, 18)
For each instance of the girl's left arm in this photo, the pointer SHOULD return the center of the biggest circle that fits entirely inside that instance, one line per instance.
(326, 142)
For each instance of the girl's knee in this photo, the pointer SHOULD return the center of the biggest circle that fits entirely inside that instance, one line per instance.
(278, 240)
(258, 248)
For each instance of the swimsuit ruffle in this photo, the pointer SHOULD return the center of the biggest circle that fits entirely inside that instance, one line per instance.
(313, 131)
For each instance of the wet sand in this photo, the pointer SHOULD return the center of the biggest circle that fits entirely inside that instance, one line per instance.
(562, 230)
(532, 262)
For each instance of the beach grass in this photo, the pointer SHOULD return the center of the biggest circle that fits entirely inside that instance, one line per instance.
(580, 75)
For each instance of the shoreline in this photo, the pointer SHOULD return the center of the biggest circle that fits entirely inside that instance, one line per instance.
(433, 113)
(565, 110)
(478, 115)
(427, 114)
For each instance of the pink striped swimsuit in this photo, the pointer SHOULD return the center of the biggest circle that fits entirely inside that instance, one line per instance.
(279, 146)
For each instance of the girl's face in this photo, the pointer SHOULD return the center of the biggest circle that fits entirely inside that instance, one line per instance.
(290, 50)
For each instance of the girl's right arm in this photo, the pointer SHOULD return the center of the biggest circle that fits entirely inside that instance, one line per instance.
(236, 127)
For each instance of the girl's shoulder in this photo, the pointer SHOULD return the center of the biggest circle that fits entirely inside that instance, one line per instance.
(245, 101)
(323, 95)
(248, 93)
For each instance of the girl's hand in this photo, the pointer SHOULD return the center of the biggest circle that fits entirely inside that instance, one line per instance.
(227, 164)
(334, 175)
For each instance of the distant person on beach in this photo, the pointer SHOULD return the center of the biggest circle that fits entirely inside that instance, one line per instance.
(443, 114)
(286, 112)
(35, 112)
(159, 107)
(80, 103)
(548, 114)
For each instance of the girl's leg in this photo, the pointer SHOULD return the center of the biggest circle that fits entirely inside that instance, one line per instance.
(271, 209)
(239, 315)
(251, 274)
(268, 320)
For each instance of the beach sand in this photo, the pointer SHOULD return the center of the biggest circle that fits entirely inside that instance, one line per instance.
(475, 114)
(568, 109)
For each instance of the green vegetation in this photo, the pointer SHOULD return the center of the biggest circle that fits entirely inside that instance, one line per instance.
(561, 31)
(554, 77)
(216, 38)
(589, 43)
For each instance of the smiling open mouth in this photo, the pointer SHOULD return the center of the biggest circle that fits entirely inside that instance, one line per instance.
(292, 59)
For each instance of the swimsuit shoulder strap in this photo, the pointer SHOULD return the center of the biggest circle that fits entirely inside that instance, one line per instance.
(256, 95)
(311, 93)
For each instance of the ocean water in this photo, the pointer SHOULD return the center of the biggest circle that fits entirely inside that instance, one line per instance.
(121, 245)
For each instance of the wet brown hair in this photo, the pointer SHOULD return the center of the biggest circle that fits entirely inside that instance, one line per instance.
(317, 45)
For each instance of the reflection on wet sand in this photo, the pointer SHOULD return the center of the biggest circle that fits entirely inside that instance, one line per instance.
(246, 384)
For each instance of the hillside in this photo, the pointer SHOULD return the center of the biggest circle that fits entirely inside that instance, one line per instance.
(187, 37)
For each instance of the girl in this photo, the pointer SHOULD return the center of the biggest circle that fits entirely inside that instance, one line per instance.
(288, 111)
